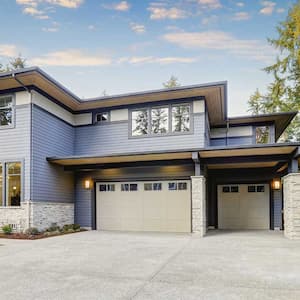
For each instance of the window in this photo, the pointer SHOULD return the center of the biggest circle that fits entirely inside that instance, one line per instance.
(107, 188)
(262, 134)
(230, 189)
(6, 111)
(260, 189)
(1, 184)
(180, 118)
(125, 187)
(140, 122)
(256, 189)
(182, 186)
(13, 184)
(160, 120)
(147, 186)
(172, 186)
(102, 117)
(157, 186)
(251, 189)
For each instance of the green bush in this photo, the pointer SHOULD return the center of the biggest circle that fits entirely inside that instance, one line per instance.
(32, 231)
(53, 227)
(76, 227)
(7, 229)
(70, 228)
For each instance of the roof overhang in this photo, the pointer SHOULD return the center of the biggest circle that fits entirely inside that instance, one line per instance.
(215, 94)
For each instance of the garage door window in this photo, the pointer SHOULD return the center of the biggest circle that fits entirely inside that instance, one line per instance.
(156, 186)
(172, 186)
(182, 186)
(106, 187)
(256, 188)
(126, 187)
(230, 189)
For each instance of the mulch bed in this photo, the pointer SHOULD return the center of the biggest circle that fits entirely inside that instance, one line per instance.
(23, 236)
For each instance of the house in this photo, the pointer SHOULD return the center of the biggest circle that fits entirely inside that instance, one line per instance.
(166, 160)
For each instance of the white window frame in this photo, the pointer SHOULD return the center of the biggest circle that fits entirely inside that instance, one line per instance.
(13, 111)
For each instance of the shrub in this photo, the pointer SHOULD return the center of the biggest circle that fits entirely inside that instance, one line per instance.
(67, 228)
(32, 231)
(7, 229)
(53, 227)
(76, 227)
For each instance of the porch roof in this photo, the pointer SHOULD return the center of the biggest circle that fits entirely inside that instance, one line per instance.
(243, 156)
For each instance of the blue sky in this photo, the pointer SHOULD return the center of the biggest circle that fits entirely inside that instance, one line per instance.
(125, 46)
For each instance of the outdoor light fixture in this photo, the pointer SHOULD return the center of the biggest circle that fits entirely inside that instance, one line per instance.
(276, 184)
(87, 184)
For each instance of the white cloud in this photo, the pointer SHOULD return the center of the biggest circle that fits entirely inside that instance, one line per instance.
(32, 11)
(66, 3)
(27, 2)
(241, 16)
(7, 50)
(159, 13)
(53, 28)
(221, 41)
(158, 60)
(210, 20)
(71, 57)
(268, 7)
(210, 4)
(240, 4)
(280, 10)
(120, 6)
(137, 28)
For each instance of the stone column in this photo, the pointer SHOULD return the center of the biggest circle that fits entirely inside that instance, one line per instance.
(291, 205)
(198, 205)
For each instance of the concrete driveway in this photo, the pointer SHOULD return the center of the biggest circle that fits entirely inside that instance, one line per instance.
(112, 265)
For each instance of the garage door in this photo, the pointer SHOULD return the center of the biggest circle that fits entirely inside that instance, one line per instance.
(243, 206)
(144, 206)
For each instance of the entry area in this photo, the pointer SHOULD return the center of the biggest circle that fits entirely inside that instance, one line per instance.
(163, 206)
(244, 206)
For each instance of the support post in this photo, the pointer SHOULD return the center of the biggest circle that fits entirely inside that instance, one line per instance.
(199, 205)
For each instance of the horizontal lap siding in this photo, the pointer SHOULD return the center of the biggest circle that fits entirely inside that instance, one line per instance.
(113, 139)
(15, 144)
(51, 137)
(84, 198)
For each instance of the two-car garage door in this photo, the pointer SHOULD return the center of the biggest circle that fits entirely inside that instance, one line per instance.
(244, 206)
(144, 206)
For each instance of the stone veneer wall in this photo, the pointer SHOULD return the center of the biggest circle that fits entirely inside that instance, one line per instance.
(199, 205)
(37, 214)
(291, 204)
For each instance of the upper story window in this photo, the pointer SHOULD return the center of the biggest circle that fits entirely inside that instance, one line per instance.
(262, 134)
(6, 111)
(102, 117)
(161, 120)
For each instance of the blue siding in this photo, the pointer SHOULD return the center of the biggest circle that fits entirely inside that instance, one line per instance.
(15, 144)
(245, 140)
(277, 202)
(51, 137)
(84, 198)
(113, 138)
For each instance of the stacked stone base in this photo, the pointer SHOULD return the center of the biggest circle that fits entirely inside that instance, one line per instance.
(291, 196)
(37, 214)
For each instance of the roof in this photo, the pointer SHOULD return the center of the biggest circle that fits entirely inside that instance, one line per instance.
(281, 120)
(215, 93)
(247, 151)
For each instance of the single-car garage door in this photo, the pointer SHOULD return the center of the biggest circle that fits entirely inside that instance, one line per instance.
(243, 206)
(144, 206)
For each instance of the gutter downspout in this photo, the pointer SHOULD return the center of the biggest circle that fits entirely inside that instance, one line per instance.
(29, 200)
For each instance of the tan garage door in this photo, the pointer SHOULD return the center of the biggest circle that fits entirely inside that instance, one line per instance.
(243, 206)
(144, 206)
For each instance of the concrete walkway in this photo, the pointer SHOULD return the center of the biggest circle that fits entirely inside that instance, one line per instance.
(111, 265)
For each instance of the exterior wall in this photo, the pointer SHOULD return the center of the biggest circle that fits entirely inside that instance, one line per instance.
(44, 214)
(199, 224)
(84, 198)
(114, 138)
(277, 209)
(15, 142)
(51, 137)
(37, 214)
(291, 198)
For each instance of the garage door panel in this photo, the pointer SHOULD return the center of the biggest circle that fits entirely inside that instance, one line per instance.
(161, 209)
(244, 209)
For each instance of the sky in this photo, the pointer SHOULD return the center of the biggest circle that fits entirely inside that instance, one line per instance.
(95, 46)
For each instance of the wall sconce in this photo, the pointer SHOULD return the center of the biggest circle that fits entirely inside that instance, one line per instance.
(87, 184)
(276, 184)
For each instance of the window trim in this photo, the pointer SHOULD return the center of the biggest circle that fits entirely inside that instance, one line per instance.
(150, 134)
(4, 181)
(13, 112)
